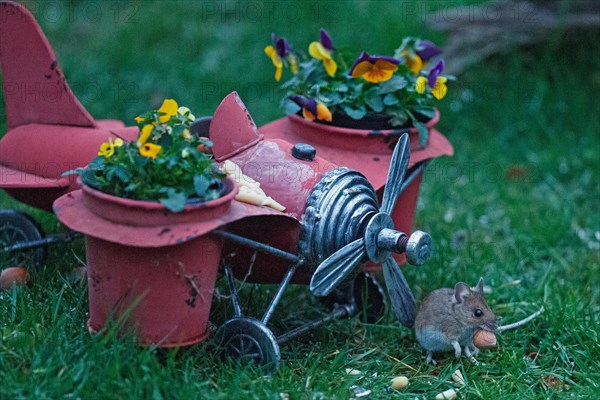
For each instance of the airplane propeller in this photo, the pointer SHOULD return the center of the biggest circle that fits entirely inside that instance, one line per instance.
(379, 240)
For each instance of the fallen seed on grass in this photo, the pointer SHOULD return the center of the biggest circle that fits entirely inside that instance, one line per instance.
(399, 382)
(360, 392)
(449, 394)
(457, 377)
(351, 371)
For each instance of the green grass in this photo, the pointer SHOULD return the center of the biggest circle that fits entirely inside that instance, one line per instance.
(517, 204)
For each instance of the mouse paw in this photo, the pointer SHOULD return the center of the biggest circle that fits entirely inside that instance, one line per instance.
(457, 349)
(429, 359)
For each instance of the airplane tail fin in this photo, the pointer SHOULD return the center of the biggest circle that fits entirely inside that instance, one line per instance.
(232, 129)
(35, 89)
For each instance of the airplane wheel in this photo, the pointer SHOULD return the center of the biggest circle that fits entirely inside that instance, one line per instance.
(364, 294)
(18, 227)
(249, 340)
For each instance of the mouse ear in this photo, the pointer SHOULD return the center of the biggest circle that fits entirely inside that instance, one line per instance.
(461, 291)
(479, 286)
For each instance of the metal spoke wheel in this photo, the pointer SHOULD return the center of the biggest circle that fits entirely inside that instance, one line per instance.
(364, 295)
(18, 227)
(249, 340)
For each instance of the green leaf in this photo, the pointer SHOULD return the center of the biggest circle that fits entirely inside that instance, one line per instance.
(175, 200)
(355, 113)
(122, 173)
(97, 163)
(201, 184)
(392, 85)
(428, 112)
(178, 130)
(399, 117)
(333, 99)
(374, 101)
(290, 107)
(390, 100)
(423, 133)
(339, 87)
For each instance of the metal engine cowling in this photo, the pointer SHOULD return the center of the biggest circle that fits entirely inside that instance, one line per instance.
(337, 212)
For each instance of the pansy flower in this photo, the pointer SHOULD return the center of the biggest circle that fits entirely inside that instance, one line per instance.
(311, 109)
(424, 51)
(434, 80)
(322, 50)
(150, 150)
(145, 134)
(277, 52)
(107, 149)
(374, 69)
(167, 110)
(184, 111)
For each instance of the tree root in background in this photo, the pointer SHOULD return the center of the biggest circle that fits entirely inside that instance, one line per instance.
(477, 32)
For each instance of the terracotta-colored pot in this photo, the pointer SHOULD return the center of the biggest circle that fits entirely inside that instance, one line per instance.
(153, 267)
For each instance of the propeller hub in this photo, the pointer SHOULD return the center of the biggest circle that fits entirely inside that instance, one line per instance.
(381, 239)
(381, 222)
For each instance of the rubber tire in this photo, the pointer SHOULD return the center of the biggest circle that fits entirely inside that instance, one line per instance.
(17, 227)
(249, 340)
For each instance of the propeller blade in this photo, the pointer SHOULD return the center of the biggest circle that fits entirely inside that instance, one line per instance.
(398, 166)
(401, 297)
(337, 267)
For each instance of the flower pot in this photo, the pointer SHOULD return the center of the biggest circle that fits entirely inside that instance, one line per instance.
(368, 151)
(371, 121)
(152, 267)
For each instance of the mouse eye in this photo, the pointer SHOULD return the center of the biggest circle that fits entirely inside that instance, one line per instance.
(478, 313)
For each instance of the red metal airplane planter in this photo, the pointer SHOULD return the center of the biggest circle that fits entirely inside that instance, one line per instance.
(336, 218)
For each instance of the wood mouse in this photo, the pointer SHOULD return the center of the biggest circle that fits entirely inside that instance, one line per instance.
(448, 318)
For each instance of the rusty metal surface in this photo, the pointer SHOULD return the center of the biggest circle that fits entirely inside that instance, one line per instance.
(232, 129)
(72, 212)
(35, 89)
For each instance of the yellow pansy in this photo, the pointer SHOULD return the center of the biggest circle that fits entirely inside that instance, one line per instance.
(323, 113)
(169, 109)
(145, 134)
(276, 60)
(150, 150)
(421, 84)
(318, 51)
(374, 69)
(415, 63)
(434, 80)
(107, 149)
(440, 89)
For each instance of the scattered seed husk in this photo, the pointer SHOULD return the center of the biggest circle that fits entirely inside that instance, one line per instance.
(360, 391)
(352, 371)
(399, 382)
(457, 377)
(449, 394)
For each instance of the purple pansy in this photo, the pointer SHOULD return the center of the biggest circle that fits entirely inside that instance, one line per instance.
(282, 47)
(305, 102)
(364, 56)
(434, 73)
(325, 40)
(426, 50)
